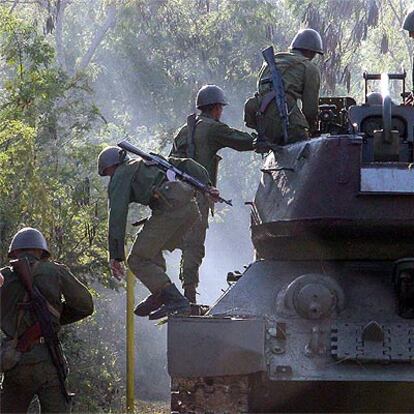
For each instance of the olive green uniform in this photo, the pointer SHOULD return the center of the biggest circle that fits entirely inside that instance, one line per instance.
(302, 80)
(209, 137)
(174, 211)
(35, 374)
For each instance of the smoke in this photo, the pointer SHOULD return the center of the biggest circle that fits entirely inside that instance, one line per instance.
(120, 92)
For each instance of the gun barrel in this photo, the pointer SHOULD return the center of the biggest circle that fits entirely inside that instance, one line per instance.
(127, 146)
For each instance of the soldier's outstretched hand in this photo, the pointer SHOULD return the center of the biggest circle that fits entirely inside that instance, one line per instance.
(117, 269)
(214, 194)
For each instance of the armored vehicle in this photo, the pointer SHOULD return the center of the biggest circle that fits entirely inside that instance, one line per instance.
(323, 320)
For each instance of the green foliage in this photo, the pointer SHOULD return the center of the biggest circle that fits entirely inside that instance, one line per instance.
(32, 82)
(40, 174)
(164, 51)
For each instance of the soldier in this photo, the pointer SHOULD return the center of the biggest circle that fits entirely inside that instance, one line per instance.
(409, 23)
(174, 211)
(35, 372)
(409, 26)
(301, 79)
(201, 141)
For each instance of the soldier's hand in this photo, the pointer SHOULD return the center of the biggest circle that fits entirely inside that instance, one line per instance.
(117, 269)
(214, 194)
(261, 146)
(1, 280)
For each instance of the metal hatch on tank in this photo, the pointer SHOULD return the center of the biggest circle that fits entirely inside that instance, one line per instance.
(323, 319)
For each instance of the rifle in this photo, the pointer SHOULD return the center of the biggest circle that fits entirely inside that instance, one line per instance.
(38, 306)
(170, 170)
(279, 88)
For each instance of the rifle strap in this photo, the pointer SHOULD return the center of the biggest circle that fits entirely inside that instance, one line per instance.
(53, 311)
(19, 320)
(191, 127)
(266, 100)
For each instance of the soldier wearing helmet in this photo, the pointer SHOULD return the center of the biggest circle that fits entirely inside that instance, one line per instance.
(409, 26)
(409, 23)
(174, 211)
(201, 141)
(301, 79)
(374, 98)
(28, 367)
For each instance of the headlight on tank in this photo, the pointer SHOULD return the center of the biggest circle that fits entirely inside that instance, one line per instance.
(312, 296)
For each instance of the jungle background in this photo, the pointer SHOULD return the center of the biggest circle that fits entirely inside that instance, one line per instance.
(76, 75)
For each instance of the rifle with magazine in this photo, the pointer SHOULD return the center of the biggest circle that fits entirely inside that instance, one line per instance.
(279, 91)
(173, 173)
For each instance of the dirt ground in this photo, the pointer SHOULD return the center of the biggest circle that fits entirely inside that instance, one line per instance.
(144, 407)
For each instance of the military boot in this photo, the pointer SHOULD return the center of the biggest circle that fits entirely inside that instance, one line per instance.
(190, 292)
(173, 303)
(148, 305)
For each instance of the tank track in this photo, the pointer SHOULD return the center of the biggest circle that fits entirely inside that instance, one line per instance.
(214, 395)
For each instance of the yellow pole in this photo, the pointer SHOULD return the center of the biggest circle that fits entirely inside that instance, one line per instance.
(130, 342)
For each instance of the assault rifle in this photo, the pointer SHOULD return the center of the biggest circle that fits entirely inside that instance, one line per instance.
(39, 307)
(172, 172)
(279, 88)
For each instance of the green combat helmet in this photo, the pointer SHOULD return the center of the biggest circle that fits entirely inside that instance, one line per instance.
(307, 39)
(110, 156)
(28, 238)
(409, 22)
(210, 95)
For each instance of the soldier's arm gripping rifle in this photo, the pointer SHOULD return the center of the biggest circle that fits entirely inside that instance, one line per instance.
(279, 88)
(172, 172)
(39, 307)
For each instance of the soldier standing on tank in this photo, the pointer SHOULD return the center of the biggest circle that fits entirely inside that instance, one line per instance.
(301, 78)
(201, 141)
(174, 211)
(35, 373)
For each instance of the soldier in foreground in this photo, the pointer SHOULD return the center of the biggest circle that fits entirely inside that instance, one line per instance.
(32, 311)
(174, 211)
(301, 79)
(200, 139)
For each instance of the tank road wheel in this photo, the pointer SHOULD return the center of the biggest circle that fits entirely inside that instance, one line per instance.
(214, 395)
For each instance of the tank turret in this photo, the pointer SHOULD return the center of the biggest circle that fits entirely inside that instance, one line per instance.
(323, 319)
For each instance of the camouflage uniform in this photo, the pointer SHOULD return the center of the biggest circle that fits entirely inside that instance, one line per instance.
(174, 211)
(210, 136)
(35, 374)
(302, 83)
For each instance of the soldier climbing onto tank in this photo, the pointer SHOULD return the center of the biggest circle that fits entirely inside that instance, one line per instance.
(31, 357)
(174, 211)
(200, 139)
(301, 78)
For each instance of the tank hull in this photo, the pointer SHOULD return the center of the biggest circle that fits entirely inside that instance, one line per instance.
(262, 348)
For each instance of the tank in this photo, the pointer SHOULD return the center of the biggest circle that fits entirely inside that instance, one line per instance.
(322, 320)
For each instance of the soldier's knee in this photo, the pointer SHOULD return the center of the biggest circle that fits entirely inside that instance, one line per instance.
(135, 263)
